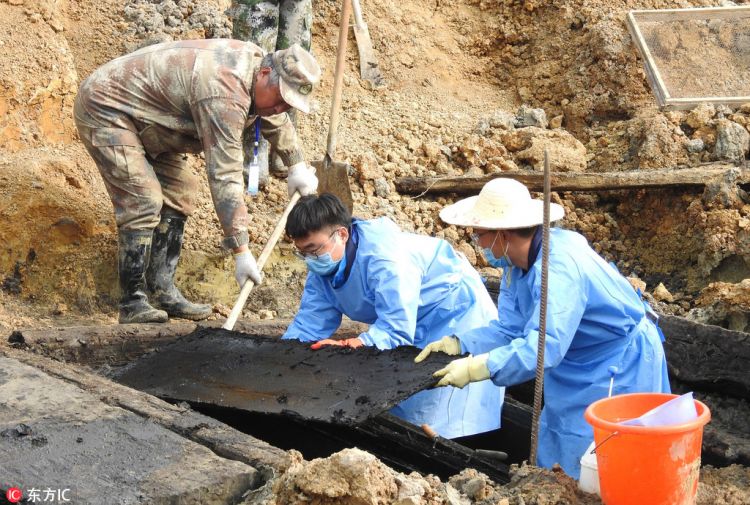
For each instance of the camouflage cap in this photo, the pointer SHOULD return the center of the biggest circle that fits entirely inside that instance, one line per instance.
(299, 73)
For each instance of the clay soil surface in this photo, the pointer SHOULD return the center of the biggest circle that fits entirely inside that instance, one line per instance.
(458, 75)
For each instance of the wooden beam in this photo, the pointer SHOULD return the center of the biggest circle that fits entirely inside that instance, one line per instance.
(115, 344)
(694, 177)
(119, 344)
(707, 357)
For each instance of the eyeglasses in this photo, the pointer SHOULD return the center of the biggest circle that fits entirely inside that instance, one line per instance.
(316, 253)
(476, 236)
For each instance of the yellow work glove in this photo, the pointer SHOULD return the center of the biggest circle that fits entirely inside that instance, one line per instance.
(460, 372)
(448, 344)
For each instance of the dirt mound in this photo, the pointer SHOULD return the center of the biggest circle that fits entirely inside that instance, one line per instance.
(355, 477)
(442, 113)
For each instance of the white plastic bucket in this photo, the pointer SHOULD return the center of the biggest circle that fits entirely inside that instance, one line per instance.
(589, 480)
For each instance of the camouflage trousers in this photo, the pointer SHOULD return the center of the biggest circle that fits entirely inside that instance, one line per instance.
(138, 184)
(272, 24)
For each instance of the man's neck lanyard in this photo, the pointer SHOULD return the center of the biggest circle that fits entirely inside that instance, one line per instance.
(257, 140)
(253, 168)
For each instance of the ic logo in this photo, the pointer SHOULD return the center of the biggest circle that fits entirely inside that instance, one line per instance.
(14, 495)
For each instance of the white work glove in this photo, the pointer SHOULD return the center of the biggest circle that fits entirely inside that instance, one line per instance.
(246, 268)
(301, 179)
(449, 345)
(460, 372)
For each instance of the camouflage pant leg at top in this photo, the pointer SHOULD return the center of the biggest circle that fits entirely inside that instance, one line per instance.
(273, 24)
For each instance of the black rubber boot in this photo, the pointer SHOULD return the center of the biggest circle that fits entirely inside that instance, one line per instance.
(133, 254)
(165, 253)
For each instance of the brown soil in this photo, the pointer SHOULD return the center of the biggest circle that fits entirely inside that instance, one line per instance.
(457, 73)
(354, 477)
(428, 122)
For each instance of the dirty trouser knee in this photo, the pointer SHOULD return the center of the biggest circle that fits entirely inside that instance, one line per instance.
(165, 254)
(179, 185)
(133, 256)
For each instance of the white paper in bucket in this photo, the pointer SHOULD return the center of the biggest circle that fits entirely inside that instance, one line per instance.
(676, 411)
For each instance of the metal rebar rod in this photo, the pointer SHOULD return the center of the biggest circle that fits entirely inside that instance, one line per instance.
(539, 382)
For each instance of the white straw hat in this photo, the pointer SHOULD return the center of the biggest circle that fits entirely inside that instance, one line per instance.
(503, 204)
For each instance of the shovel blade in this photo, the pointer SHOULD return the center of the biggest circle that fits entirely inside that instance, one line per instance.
(334, 179)
(368, 62)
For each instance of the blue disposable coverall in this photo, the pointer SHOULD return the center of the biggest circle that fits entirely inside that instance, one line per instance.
(594, 320)
(412, 290)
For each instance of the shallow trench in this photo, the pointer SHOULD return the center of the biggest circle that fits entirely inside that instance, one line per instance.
(400, 445)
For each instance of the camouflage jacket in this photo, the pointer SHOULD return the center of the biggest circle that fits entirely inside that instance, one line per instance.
(192, 96)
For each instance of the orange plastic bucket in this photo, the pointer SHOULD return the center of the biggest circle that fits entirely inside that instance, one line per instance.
(645, 465)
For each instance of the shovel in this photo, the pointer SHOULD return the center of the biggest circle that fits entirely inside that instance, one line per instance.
(334, 177)
(368, 62)
(264, 255)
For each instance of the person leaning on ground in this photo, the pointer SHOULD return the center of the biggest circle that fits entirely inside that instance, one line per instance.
(595, 320)
(410, 289)
(272, 25)
(139, 113)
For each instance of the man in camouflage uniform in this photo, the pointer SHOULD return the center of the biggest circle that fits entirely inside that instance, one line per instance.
(139, 113)
(273, 25)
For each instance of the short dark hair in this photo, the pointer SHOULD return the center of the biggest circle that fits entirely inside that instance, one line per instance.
(525, 232)
(313, 213)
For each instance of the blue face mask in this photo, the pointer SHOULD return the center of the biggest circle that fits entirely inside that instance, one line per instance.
(323, 265)
(502, 262)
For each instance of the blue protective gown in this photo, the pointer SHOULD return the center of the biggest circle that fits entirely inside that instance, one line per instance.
(594, 320)
(412, 290)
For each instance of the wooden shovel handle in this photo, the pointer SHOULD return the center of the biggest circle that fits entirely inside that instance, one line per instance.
(338, 80)
(262, 259)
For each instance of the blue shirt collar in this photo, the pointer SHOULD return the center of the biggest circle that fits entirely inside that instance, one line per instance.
(535, 247)
(350, 252)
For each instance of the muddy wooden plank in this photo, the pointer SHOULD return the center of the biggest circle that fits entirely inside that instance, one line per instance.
(707, 357)
(55, 435)
(217, 436)
(119, 344)
(695, 177)
(231, 369)
(115, 344)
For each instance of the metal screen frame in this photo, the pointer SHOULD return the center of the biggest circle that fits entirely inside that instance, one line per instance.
(660, 90)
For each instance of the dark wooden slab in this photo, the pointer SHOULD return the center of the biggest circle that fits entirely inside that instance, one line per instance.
(710, 358)
(229, 369)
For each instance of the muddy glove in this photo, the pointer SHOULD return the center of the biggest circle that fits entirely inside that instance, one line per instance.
(448, 344)
(460, 372)
(301, 179)
(349, 342)
(246, 268)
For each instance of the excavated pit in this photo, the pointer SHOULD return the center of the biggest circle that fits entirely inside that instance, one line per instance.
(289, 419)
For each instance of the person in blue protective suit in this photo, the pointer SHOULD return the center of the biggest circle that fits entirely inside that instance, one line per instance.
(410, 289)
(595, 320)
